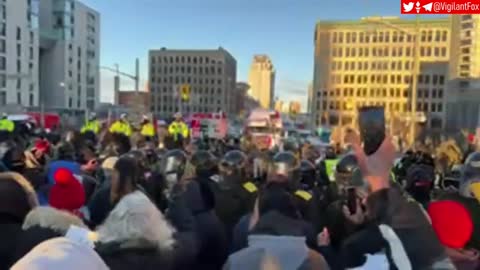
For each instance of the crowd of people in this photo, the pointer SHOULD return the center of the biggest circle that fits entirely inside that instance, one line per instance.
(82, 200)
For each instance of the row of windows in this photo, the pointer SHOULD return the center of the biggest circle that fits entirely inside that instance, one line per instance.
(381, 92)
(187, 70)
(3, 99)
(425, 93)
(184, 59)
(364, 92)
(385, 79)
(388, 36)
(201, 100)
(172, 109)
(425, 51)
(30, 99)
(194, 90)
(377, 65)
(178, 79)
(421, 106)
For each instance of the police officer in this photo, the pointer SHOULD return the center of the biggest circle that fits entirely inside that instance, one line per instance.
(162, 185)
(6, 126)
(178, 129)
(234, 193)
(122, 126)
(92, 125)
(327, 166)
(343, 173)
(147, 130)
(286, 168)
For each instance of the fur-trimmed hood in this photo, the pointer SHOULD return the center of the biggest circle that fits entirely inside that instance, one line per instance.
(51, 218)
(136, 222)
(17, 196)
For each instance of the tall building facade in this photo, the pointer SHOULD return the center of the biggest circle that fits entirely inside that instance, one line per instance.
(262, 80)
(69, 55)
(465, 42)
(371, 62)
(210, 74)
(19, 82)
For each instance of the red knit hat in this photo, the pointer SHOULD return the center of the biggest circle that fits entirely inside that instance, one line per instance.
(42, 146)
(452, 223)
(67, 193)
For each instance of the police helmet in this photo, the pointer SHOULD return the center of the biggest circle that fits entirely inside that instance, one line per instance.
(345, 169)
(139, 157)
(471, 168)
(203, 161)
(347, 164)
(290, 145)
(174, 161)
(307, 174)
(330, 153)
(234, 160)
(286, 164)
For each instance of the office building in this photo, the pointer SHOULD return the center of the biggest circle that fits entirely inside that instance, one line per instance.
(262, 80)
(279, 105)
(371, 62)
(69, 55)
(210, 74)
(294, 107)
(240, 97)
(465, 40)
(19, 52)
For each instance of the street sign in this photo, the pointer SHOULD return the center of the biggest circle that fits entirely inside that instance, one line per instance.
(185, 92)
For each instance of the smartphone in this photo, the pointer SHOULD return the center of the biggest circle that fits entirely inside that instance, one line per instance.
(371, 121)
(352, 200)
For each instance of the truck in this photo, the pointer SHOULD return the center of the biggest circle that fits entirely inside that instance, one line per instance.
(265, 128)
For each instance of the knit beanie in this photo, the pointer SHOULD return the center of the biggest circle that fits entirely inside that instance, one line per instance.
(452, 223)
(67, 193)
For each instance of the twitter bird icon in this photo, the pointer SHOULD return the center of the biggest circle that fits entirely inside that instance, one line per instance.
(407, 7)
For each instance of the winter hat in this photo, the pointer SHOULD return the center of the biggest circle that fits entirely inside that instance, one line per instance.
(17, 196)
(452, 223)
(61, 253)
(67, 193)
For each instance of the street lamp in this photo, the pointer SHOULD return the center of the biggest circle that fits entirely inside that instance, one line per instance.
(416, 66)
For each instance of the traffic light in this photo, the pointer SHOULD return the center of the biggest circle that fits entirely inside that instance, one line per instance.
(185, 92)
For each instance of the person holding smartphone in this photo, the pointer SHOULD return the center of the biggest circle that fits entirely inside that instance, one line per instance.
(392, 224)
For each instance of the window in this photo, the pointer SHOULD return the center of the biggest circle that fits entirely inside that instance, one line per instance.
(70, 102)
(31, 53)
(30, 100)
(444, 35)
(19, 84)
(3, 47)
(19, 50)
(3, 81)
(19, 33)
(19, 66)
(3, 98)
(3, 29)
(444, 51)
(440, 107)
(19, 98)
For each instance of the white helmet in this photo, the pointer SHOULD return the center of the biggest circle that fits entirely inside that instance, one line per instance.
(177, 115)
(123, 116)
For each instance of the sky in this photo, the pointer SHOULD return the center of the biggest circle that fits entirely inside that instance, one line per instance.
(282, 29)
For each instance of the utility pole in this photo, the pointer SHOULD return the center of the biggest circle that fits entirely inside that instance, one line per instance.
(416, 72)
